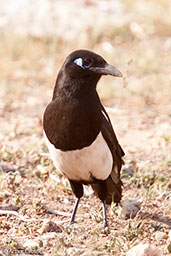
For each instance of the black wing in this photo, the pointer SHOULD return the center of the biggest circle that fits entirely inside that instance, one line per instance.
(114, 184)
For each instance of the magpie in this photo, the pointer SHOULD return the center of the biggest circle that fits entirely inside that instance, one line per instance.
(79, 133)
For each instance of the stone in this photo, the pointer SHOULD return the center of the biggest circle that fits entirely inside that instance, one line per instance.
(143, 250)
(49, 226)
(170, 235)
(73, 251)
(160, 235)
(169, 242)
(128, 170)
(31, 244)
(130, 208)
(10, 207)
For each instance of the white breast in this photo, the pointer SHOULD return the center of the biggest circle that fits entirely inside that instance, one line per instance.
(92, 161)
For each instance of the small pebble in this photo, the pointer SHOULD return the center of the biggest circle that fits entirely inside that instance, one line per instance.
(10, 207)
(128, 169)
(169, 242)
(170, 235)
(49, 226)
(31, 244)
(160, 235)
(130, 208)
(73, 251)
(143, 250)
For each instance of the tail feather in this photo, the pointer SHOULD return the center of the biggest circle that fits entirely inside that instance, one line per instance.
(110, 189)
(114, 191)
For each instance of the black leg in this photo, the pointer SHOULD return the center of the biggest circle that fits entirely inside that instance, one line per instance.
(104, 214)
(77, 189)
(74, 211)
(100, 189)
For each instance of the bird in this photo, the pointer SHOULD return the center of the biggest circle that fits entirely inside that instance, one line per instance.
(79, 133)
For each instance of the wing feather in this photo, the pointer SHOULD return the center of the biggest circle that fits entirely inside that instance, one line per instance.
(114, 184)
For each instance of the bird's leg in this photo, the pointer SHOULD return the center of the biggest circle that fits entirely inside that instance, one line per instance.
(104, 213)
(77, 189)
(101, 190)
(74, 211)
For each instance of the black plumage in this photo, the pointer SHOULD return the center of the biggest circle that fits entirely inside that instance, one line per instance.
(78, 130)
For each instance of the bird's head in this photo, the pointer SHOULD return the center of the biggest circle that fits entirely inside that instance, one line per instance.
(84, 63)
(80, 73)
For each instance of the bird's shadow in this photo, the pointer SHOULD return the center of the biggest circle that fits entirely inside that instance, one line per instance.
(156, 217)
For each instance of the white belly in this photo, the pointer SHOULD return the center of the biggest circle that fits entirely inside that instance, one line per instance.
(92, 161)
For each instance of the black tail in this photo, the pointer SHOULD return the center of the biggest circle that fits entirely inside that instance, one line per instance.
(110, 189)
(114, 191)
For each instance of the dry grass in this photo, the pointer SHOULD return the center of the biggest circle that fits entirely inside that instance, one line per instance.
(133, 35)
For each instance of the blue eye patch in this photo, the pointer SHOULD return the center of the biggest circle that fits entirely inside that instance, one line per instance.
(79, 62)
(83, 63)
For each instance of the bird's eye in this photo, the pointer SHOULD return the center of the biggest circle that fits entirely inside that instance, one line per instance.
(84, 63)
(87, 63)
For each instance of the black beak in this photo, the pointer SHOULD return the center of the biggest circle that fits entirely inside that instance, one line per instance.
(107, 70)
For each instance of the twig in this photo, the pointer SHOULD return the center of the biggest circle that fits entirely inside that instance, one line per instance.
(65, 214)
(51, 210)
(62, 221)
(54, 178)
(6, 212)
(45, 154)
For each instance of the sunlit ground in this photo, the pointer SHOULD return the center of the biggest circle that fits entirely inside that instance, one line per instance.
(35, 38)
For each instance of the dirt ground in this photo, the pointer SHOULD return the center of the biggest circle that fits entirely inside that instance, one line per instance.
(32, 192)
